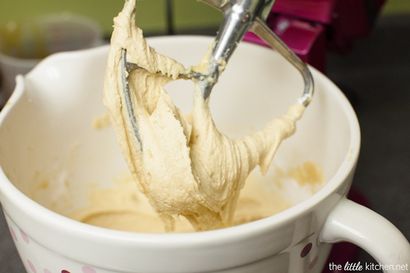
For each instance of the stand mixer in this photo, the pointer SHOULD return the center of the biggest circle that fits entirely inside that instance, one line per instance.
(240, 16)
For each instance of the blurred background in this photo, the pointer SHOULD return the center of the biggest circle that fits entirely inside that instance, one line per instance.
(152, 14)
(189, 15)
(363, 46)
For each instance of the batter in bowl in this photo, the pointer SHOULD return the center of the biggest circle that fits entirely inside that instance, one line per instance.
(123, 207)
(181, 163)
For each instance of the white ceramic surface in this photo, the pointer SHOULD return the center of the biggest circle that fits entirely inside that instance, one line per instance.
(46, 128)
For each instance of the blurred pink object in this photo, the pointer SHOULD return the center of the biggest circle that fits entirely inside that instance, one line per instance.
(306, 40)
(309, 27)
(352, 19)
(311, 10)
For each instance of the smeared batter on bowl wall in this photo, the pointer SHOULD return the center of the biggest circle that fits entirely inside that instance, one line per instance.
(182, 164)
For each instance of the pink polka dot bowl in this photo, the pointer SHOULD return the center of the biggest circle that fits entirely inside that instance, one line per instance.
(46, 135)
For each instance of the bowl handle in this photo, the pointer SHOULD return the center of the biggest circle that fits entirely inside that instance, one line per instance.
(354, 223)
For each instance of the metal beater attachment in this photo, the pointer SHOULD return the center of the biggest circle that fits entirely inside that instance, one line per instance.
(129, 67)
(240, 16)
(126, 69)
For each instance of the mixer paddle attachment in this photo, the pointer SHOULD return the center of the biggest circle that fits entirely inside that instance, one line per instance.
(126, 69)
(240, 16)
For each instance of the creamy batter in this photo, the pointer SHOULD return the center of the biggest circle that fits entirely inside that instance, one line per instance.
(120, 205)
(182, 164)
(123, 207)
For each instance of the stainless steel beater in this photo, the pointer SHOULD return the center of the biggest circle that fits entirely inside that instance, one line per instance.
(240, 16)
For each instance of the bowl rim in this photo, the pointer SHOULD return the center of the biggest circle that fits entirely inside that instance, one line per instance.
(10, 193)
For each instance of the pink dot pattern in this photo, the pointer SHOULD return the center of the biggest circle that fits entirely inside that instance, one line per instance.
(13, 234)
(26, 239)
(24, 236)
(31, 266)
(88, 269)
